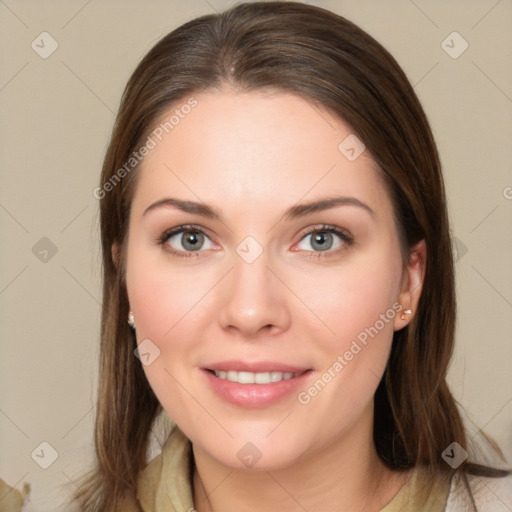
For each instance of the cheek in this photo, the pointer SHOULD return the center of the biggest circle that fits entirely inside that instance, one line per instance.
(358, 306)
(161, 294)
(163, 304)
(352, 300)
(171, 308)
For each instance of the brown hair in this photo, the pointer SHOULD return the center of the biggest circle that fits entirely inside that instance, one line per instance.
(327, 60)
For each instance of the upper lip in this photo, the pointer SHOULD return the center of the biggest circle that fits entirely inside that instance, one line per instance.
(255, 367)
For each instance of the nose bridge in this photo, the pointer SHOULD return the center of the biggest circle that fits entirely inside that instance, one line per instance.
(253, 297)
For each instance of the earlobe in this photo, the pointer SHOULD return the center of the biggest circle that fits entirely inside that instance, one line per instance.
(412, 285)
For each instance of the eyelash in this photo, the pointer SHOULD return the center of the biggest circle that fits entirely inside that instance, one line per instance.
(323, 228)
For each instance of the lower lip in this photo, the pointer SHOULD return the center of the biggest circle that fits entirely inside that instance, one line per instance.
(255, 395)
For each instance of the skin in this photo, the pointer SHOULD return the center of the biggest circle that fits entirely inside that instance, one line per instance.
(252, 156)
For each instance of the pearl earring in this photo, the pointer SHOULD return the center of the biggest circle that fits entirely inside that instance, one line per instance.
(406, 313)
(131, 320)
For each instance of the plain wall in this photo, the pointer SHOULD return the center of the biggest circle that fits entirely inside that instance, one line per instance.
(56, 117)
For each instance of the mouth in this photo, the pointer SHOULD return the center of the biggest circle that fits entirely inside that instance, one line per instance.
(255, 377)
(255, 389)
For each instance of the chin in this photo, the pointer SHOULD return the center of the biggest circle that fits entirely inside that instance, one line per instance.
(258, 454)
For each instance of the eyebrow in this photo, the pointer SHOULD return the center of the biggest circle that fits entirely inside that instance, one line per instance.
(296, 211)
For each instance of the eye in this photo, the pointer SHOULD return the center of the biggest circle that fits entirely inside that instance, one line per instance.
(185, 240)
(323, 240)
(188, 240)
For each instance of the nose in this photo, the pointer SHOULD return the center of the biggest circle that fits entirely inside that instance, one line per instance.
(253, 299)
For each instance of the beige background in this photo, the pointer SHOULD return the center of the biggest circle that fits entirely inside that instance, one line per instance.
(57, 114)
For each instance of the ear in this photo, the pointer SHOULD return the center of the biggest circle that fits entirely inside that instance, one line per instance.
(115, 254)
(412, 284)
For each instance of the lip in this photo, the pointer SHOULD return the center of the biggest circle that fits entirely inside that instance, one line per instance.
(254, 367)
(255, 396)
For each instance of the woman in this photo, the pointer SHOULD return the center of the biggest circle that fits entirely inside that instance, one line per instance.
(274, 229)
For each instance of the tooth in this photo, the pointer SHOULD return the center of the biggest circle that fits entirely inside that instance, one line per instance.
(255, 378)
(276, 376)
(246, 378)
(262, 378)
(232, 376)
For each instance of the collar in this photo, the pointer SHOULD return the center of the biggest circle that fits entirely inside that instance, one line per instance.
(165, 485)
(407, 499)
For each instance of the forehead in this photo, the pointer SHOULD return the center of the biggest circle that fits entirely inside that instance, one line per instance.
(254, 149)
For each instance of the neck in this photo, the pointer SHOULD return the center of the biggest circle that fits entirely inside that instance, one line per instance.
(344, 475)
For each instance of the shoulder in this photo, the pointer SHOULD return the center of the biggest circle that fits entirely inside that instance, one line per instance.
(490, 494)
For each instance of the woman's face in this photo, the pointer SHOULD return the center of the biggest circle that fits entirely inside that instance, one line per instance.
(312, 289)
